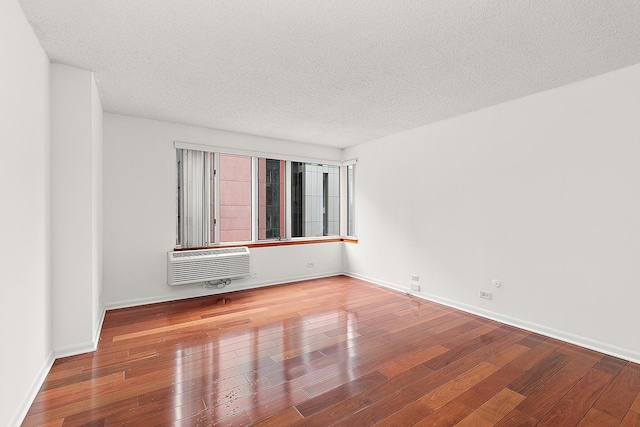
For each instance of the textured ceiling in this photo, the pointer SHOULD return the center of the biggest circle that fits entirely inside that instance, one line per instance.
(331, 72)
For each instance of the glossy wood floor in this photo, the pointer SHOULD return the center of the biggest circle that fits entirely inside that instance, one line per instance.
(333, 351)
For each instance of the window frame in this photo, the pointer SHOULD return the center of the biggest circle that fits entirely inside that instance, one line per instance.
(346, 215)
(255, 156)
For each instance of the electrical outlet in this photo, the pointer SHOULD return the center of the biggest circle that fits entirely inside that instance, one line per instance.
(485, 294)
(415, 278)
(415, 287)
(310, 264)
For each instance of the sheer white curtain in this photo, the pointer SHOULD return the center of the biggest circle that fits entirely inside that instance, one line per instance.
(193, 198)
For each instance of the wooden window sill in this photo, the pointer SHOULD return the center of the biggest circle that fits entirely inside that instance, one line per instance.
(271, 243)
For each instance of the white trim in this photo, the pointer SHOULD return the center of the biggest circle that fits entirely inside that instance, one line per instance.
(568, 337)
(255, 200)
(216, 198)
(346, 198)
(200, 292)
(350, 162)
(27, 401)
(344, 201)
(85, 347)
(266, 154)
(98, 330)
(74, 349)
(287, 201)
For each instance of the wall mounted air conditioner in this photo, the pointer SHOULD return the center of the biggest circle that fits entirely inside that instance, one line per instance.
(204, 265)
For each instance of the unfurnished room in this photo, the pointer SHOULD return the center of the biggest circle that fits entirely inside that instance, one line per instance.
(358, 213)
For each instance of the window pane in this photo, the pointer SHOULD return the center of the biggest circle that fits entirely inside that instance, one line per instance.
(192, 202)
(351, 229)
(315, 204)
(271, 193)
(235, 198)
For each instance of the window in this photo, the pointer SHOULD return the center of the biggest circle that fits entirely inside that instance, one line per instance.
(229, 198)
(315, 204)
(193, 197)
(235, 198)
(271, 197)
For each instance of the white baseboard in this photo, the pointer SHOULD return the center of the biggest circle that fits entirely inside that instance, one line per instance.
(84, 347)
(27, 401)
(98, 330)
(200, 292)
(74, 350)
(579, 340)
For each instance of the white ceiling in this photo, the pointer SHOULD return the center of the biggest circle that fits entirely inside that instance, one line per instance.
(331, 72)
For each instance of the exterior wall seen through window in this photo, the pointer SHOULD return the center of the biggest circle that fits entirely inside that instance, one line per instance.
(315, 204)
(235, 198)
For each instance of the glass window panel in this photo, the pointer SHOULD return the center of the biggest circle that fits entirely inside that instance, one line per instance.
(271, 199)
(191, 218)
(315, 204)
(351, 225)
(235, 198)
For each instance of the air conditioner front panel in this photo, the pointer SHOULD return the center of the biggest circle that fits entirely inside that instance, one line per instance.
(208, 265)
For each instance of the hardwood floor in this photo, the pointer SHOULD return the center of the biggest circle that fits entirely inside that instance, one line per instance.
(334, 351)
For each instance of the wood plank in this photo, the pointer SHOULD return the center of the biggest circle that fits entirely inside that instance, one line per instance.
(632, 419)
(621, 393)
(338, 394)
(467, 347)
(407, 416)
(490, 386)
(610, 365)
(156, 414)
(283, 418)
(577, 402)
(538, 403)
(493, 410)
(449, 391)
(517, 418)
(398, 382)
(450, 414)
(635, 407)
(583, 362)
(271, 407)
(335, 412)
(533, 378)
(595, 418)
(508, 354)
(375, 411)
(411, 361)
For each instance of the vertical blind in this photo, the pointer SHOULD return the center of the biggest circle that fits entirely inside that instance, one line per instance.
(193, 198)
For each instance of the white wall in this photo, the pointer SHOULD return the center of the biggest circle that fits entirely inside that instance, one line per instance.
(97, 207)
(140, 207)
(76, 192)
(542, 193)
(25, 307)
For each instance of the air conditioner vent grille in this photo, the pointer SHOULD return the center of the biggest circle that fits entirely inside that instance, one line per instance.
(208, 265)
